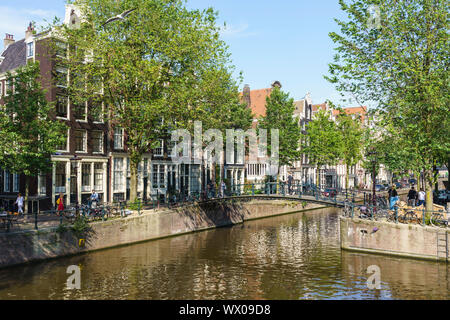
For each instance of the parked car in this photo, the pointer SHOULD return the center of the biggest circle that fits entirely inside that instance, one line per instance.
(398, 185)
(443, 196)
(386, 186)
(379, 187)
(412, 181)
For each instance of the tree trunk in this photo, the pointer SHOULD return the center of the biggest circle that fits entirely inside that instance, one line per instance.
(417, 176)
(27, 191)
(318, 178)
(346, 177)
(429, 190)
(133, 181)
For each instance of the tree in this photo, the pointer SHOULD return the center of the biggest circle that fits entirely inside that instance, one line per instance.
(351, 135)
(157, 70)
(279, 115)
(402, 65)
(322, 143)
(28, 131)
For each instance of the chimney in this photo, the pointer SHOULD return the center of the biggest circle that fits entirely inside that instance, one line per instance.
(30, 31)
(276, 84)
(9, 39)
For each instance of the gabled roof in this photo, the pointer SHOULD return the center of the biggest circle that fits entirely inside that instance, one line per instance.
(258, 101)
(14, 56)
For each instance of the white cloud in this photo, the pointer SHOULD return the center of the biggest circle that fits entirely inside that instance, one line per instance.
(239, 31)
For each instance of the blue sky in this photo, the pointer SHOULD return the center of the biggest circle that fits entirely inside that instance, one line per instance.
(284, 40)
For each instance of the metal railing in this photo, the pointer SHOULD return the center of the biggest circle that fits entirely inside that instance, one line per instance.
(406, 215)
(122, 209)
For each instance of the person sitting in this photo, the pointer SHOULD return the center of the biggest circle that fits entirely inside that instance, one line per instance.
(94, 199)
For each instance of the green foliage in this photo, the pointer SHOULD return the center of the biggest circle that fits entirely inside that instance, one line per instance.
(80, 227)
(28, 134)
(279, 115)
(323, 143)
(159, 69)
(403, 66)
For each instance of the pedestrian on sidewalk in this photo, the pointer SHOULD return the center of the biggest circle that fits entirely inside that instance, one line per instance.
(421, 197)
(412, 196)
(19, 203)
(60, 203)
(393, 197)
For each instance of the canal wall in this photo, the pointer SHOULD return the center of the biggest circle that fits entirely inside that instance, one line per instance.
(27, 246)
(406, 240)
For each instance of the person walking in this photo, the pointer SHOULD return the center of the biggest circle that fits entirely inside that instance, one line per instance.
(290, 179)
(421, 198)
(393, 197)
(223, 187)
(19, 203)
(60, 203)
(412, 196)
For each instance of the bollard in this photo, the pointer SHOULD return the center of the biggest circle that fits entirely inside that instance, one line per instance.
(139, 206)
(423, 216)
(35, 220)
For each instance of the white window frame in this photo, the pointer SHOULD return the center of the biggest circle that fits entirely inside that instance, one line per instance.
(6, 184)
(118, 187)
(101, 141)
(67, 107)
(84, 141)
(160, 149)
(16, 182)
(30, 45)
(98, 187)
(42, 190)
(67, 142)
(117, 145)
(101, 115)
(62, 70)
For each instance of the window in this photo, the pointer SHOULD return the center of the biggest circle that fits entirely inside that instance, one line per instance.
(96, 112)
(61, 49)
(97, 141)
(79, 111)
(162, 182)
(61, 77)
(86, 177)
(155, 176)
(42, 184)
(6, 185)
(118, 138)
(98, 176)
(158, 152)
(1, 88)
(16, 182)
(30, 49)
(60, 183)
(64, 146)
(80, 140)
(8, 86)
(118, 179)
(61, 106)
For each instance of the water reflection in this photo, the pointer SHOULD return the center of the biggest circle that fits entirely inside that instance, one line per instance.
(288, 257)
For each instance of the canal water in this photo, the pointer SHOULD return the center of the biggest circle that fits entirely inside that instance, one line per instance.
(286, 257)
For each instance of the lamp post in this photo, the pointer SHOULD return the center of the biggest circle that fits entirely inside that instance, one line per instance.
(74, 161)
(372, 154)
